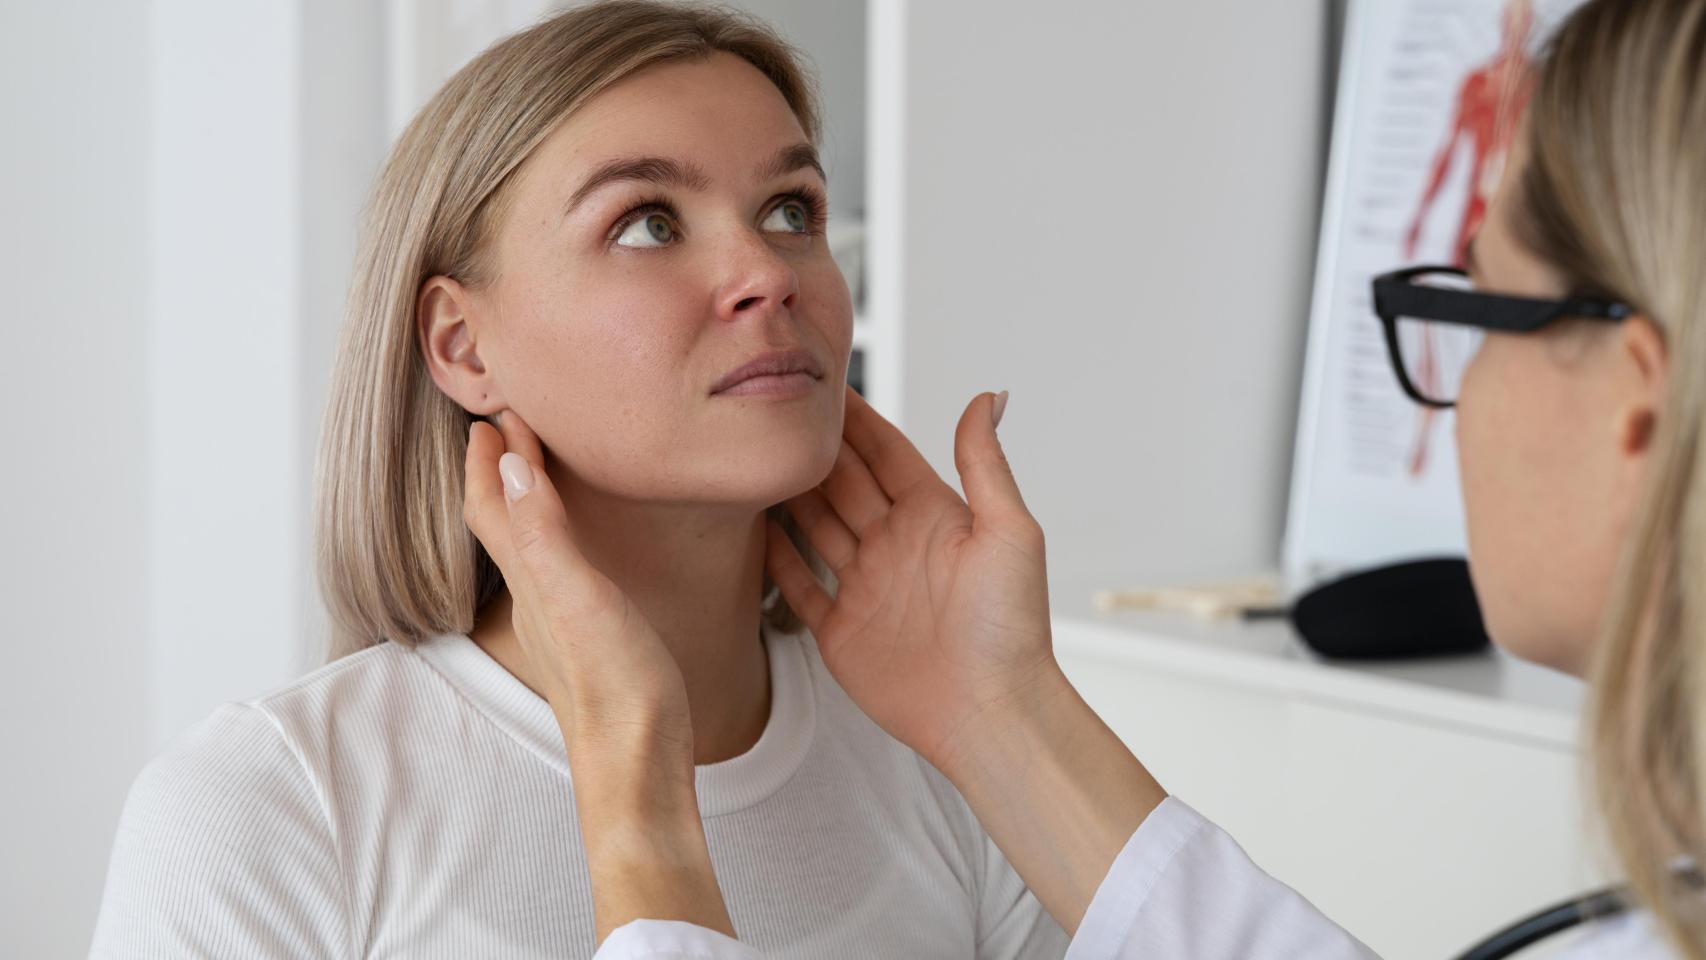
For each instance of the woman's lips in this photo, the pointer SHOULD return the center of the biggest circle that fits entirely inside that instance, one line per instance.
(777, 367)
(772, 385)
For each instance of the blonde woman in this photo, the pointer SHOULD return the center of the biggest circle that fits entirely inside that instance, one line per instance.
(1580, 434)
(609, 230)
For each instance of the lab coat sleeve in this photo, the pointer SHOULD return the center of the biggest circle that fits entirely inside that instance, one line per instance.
(1182, 888)
(671, 940)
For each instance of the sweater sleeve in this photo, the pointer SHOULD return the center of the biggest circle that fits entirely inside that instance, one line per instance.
(1012, 924)
(1182, 887)
(223, 850)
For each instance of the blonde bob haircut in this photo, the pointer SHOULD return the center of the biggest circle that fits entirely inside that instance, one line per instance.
(395, 559)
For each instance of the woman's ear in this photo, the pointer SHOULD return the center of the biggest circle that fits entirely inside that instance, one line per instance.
(1642, 346)
(447, 320)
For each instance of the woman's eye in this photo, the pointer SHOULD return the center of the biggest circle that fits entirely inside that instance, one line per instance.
(789, 217)
(651, 230)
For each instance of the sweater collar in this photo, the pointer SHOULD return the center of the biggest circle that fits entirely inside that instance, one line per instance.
(722, 788)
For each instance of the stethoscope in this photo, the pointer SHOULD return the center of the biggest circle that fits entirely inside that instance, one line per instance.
(1553, 920)
(1597, 905)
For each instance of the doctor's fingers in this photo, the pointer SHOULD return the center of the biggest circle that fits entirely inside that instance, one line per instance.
(528, 538)
(987, 477)
(518, 436)
(890, 456)
(825, 530)
(798, 584)
(483, 508)
(854, 493)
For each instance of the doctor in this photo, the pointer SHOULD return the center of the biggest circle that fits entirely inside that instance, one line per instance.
(1584, 479)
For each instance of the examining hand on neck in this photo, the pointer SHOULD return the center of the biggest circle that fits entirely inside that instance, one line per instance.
(696, 577)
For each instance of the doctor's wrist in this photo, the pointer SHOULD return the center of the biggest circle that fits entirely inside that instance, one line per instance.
(1056, 789)
(1015, 739)
(645, 843)
(1006, 728)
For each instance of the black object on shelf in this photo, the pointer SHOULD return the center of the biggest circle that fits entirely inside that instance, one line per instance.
(1413, 609)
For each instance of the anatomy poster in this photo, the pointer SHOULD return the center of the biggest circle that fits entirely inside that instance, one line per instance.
(1429, 95)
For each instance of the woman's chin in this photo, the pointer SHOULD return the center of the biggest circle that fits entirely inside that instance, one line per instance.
(761, 480)
(786, 462)
(785, 485)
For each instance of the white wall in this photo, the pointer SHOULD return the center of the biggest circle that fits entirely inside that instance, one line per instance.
(1110, 211)
(344, 142)
(74, 184)
(179, 189)
(224, 560)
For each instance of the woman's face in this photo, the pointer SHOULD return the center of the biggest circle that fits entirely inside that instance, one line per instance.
(1550, 433)
(666, 234)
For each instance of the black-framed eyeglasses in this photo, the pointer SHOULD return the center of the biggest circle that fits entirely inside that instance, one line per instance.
(1435, 322)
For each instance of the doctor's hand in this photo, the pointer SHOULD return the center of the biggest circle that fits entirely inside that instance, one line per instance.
(939, 630)
(614, 687)
(940, 617)
(603, 669)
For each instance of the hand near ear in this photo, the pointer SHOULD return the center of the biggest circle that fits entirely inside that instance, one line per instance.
(598, 657)
(616, 690)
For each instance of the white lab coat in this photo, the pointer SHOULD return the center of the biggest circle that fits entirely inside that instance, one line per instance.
(1181, 889)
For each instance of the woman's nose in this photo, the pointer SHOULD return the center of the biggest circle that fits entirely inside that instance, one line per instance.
(758, 280)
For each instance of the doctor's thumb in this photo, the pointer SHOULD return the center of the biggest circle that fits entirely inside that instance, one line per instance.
(985, 474)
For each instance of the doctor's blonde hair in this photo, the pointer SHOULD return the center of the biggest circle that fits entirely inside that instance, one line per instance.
(395, 559)
(1615, 197)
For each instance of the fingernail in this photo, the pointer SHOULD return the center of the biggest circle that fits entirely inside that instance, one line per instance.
(1000, 406)
(518, 476)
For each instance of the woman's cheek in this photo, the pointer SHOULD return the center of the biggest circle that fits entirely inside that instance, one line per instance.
(832, 301)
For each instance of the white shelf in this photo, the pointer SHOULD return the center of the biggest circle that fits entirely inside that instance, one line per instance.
(1490, 693)
(1419, 804)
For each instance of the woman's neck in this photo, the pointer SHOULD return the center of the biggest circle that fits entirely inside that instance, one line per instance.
(696, 575)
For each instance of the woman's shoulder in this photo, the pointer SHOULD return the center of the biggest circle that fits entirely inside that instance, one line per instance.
(223, 837)
(237, 810)
(251, 754)
(230, 766)
(351, 679)
(252, 745)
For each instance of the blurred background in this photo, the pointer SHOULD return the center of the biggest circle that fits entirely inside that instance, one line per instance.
(1108, 208)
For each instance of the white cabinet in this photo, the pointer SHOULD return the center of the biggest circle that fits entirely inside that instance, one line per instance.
(1421, 805)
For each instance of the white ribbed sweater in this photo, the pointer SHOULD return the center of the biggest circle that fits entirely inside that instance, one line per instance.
(417, 803)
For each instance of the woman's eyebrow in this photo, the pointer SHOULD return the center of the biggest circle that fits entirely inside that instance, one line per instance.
(687, 176)
(800, 156)
(659, 170)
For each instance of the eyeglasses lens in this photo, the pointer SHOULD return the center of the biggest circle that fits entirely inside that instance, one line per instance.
(1435, 354)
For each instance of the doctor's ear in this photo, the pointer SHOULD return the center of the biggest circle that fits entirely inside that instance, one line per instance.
(447, 323)
(1642, 343)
